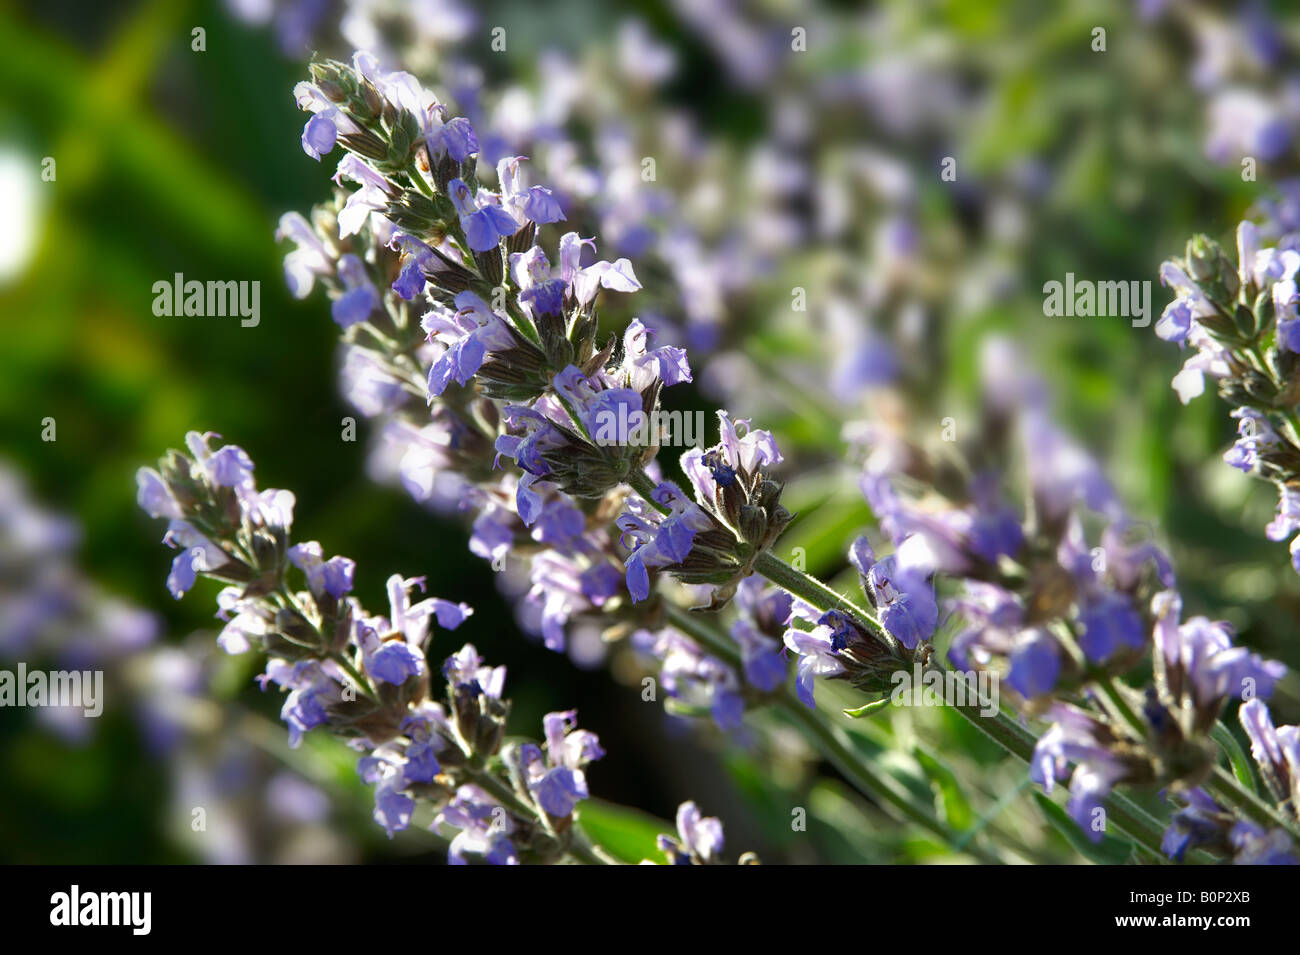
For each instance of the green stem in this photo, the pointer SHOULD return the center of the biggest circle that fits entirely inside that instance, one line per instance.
(1236, 756)
(783, 575)
(831, 743)
(641, 483)
(1130, 818)
(815, 592)
(1120, 707)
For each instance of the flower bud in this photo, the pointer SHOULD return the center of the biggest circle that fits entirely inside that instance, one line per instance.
(752, 523)
(370, 101)
(445, 169)
(522, 240)
(365, 144)
(333, 79)
(1202, 258)
(418, 214)
(1247, 321)
(490, 265)
(1264, 310)
(297, 628)
(266, 550)
(176, 473)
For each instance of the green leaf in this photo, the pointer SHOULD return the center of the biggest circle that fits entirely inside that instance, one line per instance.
(1109, 851)
(867, 709)
(1236, 756)
(845, 832)
(954, 807)
(769, 802)
(627, 834)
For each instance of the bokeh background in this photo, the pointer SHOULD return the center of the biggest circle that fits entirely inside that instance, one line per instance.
(174, 160)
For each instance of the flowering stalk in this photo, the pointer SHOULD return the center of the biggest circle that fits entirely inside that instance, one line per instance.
(1242, 319)
(1172, 756)
(828, 739)
(367, 678)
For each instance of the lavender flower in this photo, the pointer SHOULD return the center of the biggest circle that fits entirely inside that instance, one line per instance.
(481, 827)
(832, 645)
(1197, 668)
(531, 204)
(560, 383)
(1204, 824)
(485, 224)
(556, 778)
(1101, 760)
(818, 651)
(696, 682)
(471, 334)
(735, 516)
(657, 540)
(1276, 751)
(699, 838)
(902, 595)
(359, 297)
(366, 678)
(1246, 327)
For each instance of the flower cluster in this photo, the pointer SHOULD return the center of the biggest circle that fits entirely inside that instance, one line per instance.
(1244, 323)
(51, 611)
(836, 644)
(514, 375)
(365, 677)
(1197, 671)
(715, 537)
(1038, 601)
